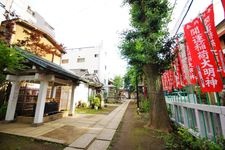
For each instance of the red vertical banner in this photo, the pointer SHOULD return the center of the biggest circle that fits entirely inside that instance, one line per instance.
(208, 20)
(171, 80)
(182, 70)
(191, 68)
(177, 74)
(166, 81)
(203, 59)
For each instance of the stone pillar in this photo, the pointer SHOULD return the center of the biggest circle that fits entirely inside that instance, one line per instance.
(39, 112)
(53, 93)
(72, 101)
(102, 101)
(11, 108)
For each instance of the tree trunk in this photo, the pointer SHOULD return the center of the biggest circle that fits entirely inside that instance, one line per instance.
(159, 118)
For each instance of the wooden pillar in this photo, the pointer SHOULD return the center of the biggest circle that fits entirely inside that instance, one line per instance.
(39, 112)
(11, 108)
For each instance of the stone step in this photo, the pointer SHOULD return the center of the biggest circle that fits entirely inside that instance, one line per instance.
(70, 148)
(99, 145)
(83, 141)
(106, 134)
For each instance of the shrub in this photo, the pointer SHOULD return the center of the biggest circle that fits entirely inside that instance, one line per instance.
(182, 139)
(221, 142)
(84, 105)
(144, 105)
(97, 101)
(91, 98)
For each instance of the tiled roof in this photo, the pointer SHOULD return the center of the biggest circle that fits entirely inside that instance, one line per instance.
(91, 78)
(80, 72)
(43, 63)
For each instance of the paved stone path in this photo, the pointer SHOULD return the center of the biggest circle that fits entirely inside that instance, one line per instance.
(100, 135)
(90, 131)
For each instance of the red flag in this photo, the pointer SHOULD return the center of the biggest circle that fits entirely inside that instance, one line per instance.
(182, 69)
(203, 59)
(167, 81)
(208, 20)
(177, 73)
(171, 80)
(193, 78)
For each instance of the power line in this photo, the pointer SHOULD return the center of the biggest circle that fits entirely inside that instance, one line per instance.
(182, 16)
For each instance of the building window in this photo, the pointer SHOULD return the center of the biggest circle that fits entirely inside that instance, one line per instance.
(79, 60)
(65, 61)
(95, 71)
(30, 11)
(96, 55)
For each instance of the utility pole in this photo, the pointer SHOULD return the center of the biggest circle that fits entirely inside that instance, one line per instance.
(8, 6)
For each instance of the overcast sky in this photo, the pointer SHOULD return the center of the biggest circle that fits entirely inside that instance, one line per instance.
(81, 23)
(198, 6)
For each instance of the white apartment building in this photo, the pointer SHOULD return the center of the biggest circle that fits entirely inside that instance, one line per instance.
(23, 10)
(92, 58)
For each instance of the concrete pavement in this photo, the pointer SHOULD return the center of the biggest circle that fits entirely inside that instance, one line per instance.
(100, 135)
(82, 131)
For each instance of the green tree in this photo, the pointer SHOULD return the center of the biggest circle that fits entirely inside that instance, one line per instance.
(148, 48)
(130, 79)
(10, 61)
(118, 82)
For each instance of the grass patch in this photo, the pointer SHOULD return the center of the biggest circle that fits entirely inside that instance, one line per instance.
(105, 110)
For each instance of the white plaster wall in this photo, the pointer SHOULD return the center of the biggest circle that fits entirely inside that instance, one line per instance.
(91, 63)
(103, 71)
(81, 93)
